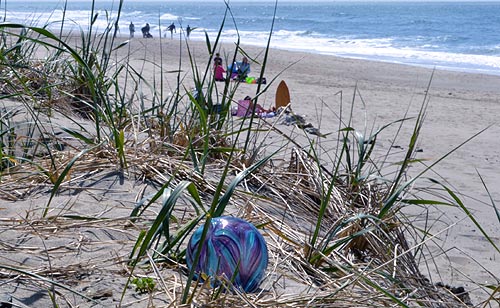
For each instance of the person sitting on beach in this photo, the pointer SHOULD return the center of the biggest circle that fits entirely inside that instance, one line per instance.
(217, 60)
(145, 31)
(219, 72)
(243, 69)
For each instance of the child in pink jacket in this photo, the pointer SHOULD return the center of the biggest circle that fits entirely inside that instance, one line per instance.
(219, 73)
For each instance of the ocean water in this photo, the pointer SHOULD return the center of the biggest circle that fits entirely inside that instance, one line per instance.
(462, 36)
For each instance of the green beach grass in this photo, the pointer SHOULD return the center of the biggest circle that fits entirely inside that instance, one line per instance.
(82, 107)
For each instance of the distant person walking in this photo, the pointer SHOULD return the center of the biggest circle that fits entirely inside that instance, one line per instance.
(188, 31)
(131, 28)
(171, 28)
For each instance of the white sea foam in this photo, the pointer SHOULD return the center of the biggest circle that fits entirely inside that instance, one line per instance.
(169, 17)
(382, 49)
(436, 50)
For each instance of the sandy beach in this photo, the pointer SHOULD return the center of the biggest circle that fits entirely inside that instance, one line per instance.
(460, 105)
(325, 90)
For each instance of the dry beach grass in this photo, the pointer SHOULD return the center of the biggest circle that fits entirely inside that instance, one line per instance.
(109, 161)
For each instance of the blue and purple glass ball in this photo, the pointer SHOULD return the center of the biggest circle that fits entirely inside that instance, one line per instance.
(233, 249)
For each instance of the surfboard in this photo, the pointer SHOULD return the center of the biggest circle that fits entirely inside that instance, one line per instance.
(282, 95)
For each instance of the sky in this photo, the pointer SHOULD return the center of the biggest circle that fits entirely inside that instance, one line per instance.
(268, 1)
(166, 1)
